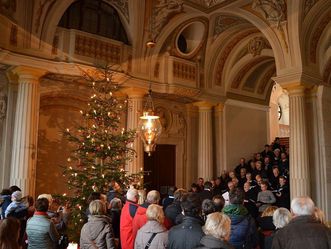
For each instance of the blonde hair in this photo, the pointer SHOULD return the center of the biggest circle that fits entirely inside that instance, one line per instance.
(281, 217)
(141, 196)
(155, 212)
(269, 211)
(320, 216)
(153, 197)
(218, 225)
(97, 207)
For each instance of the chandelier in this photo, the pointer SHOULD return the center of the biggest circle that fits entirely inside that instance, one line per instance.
(149, 125)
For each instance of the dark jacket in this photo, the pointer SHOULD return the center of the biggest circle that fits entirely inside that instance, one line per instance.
(6, 200)
(243, 228)
(186, 235)
(303, 232)
(210, 242)
(172, 211)
(206, 194)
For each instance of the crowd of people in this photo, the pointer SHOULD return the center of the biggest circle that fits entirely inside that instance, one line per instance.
(248, 207)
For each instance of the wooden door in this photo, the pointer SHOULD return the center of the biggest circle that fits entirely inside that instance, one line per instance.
(162, 168)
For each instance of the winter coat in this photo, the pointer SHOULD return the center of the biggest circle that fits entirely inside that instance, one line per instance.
(144, 234)
(99, 230)
(139, 219)
(210, 242)
(41, 232)
(243, 228)
(128, 212)
(15, 206)
(172, 211)
(303, 232)
(6, 200)
(186, 235)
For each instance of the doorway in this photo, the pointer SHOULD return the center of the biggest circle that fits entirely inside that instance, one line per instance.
(162, 168)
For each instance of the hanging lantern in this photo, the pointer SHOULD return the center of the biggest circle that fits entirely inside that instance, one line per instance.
(149, 126)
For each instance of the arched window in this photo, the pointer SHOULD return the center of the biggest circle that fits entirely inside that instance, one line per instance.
(95, 17)
(280, 112)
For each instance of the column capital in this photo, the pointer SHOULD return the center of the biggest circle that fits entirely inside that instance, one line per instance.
(134, 92)
(203, 105)
(297, 89)
(219, 107)
(28, 73)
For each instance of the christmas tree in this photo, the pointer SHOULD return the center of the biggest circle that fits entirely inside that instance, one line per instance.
(101, 147)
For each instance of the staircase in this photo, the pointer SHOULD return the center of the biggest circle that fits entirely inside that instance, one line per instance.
(285, 141)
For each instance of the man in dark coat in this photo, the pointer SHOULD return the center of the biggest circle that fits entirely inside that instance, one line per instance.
(303, 231)
(188, 234)
(206, 193)
(283, 193)
(174, 210)
(243, 228)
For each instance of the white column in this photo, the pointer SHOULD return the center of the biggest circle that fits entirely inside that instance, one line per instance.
(299, 157)
(220, 145)
(8, 130)
(135, 108)
(316, 153)
(24, 153)
(205, 148)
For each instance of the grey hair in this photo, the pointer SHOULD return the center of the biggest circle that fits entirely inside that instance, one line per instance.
(153, 197)
(281, 217)
(132, 194)
(302, 206)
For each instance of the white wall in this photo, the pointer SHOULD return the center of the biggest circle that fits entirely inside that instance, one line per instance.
(246, 131)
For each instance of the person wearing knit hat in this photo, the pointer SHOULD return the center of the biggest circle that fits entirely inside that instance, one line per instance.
(17, 205)
(16, 196)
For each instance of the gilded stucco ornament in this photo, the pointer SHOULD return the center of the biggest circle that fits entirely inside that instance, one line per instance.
(163, 11)
(256, 45)
(272, 10)
(122, 6)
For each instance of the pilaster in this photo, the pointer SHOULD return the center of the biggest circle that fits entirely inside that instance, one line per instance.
(24, 152)
(220, 141)
(135, 108)
(299, 154)
(205, 145)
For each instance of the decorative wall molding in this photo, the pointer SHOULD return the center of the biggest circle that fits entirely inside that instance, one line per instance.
(95, 48)
(244, 70)
(225, 54)
(316, 36)
(208, 5)
(40, 12)
(308, 5)
(224, 22)
(266, 79)
(247, 105)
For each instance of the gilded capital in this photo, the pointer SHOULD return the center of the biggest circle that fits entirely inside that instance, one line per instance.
(25, 73)
(134, 92)
(219, 107)
(203, 105)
